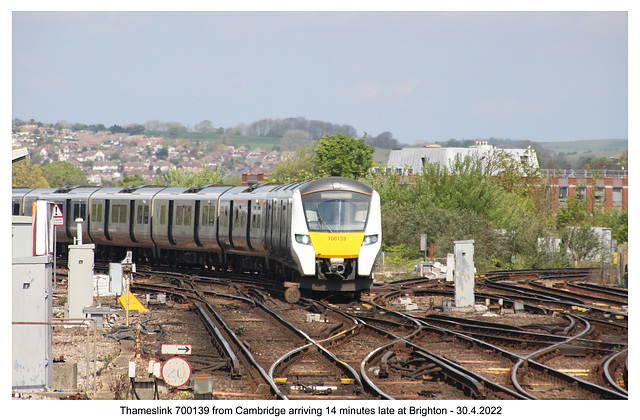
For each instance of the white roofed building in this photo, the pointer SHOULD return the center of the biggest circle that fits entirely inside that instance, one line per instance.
(412, 160)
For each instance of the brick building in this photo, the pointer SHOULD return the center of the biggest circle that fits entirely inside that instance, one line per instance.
(608, 189)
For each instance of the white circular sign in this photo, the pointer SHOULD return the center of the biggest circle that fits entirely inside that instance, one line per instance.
(176, 372)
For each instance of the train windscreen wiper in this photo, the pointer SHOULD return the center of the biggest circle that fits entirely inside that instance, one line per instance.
(322, 222)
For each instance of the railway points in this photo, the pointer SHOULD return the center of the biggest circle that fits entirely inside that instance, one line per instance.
(399, 341)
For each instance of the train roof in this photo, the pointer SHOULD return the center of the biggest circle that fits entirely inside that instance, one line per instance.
(335, 183)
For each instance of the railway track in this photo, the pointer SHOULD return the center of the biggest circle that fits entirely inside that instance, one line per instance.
(569, 340)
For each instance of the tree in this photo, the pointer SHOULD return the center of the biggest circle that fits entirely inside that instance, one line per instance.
(116, 129)
(173, 132)
(454, 203)
(581, 241)
(205, 126)
(177, 178)
(384, 140)
(25, 175)
(292, 139)
(573, 212)
(303, 165)
(162, 154)
(132, 180)
(617, 220)
(61, 174)
(134, 129)
(341, 155)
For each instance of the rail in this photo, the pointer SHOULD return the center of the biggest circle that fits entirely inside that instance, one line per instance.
(607, 373)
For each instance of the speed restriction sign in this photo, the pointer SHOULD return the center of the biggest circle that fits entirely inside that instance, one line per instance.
(176, 372)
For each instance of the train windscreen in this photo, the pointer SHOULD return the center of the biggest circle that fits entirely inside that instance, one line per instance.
(336, 211)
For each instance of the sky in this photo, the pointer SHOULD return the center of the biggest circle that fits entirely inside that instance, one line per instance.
(423, 76)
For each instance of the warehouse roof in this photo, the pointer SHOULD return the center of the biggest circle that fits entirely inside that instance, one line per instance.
(412, 160)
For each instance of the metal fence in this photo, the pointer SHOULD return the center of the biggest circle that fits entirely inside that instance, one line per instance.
(585, 173)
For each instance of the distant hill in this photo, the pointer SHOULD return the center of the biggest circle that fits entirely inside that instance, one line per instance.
(576, 151)
(581, 146)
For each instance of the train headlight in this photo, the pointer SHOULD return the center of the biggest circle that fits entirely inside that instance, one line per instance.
(303, 239)
(370, 239)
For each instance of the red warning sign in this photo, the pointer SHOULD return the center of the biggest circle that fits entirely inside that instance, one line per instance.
(58, 217)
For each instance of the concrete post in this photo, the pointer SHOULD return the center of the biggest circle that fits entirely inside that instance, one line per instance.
(464, 281)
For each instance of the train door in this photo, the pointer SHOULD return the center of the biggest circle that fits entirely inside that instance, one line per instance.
(170, 221)
(287, 224)
(79, 212)
(196, 223)
(132, 214)
(267, 227)
(107, 205)
(68, 219)
(283, 226)
(230, 220)
(248, 225)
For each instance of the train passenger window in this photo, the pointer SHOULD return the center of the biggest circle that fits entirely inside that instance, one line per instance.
(16, 209)
(119, 213)
(163, 215)
(96, 212)
(179, 215)
(205, 216)
(212, 216)
(143, 214)
(187, 215)
(79, 211)
(225, 218)
(123, 213)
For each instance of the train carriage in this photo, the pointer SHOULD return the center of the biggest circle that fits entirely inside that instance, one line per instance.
(206, 217)
(321, 234)
(72, 201)
(172, 219)
(17, 197)
(341, 222)
(101, 218)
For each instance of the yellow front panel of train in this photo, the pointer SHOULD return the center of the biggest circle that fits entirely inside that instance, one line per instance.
(336, 245)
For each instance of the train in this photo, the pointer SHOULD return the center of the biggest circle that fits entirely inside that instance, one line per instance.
(321, 234)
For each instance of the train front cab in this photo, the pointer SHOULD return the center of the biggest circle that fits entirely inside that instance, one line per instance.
(337, 234)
